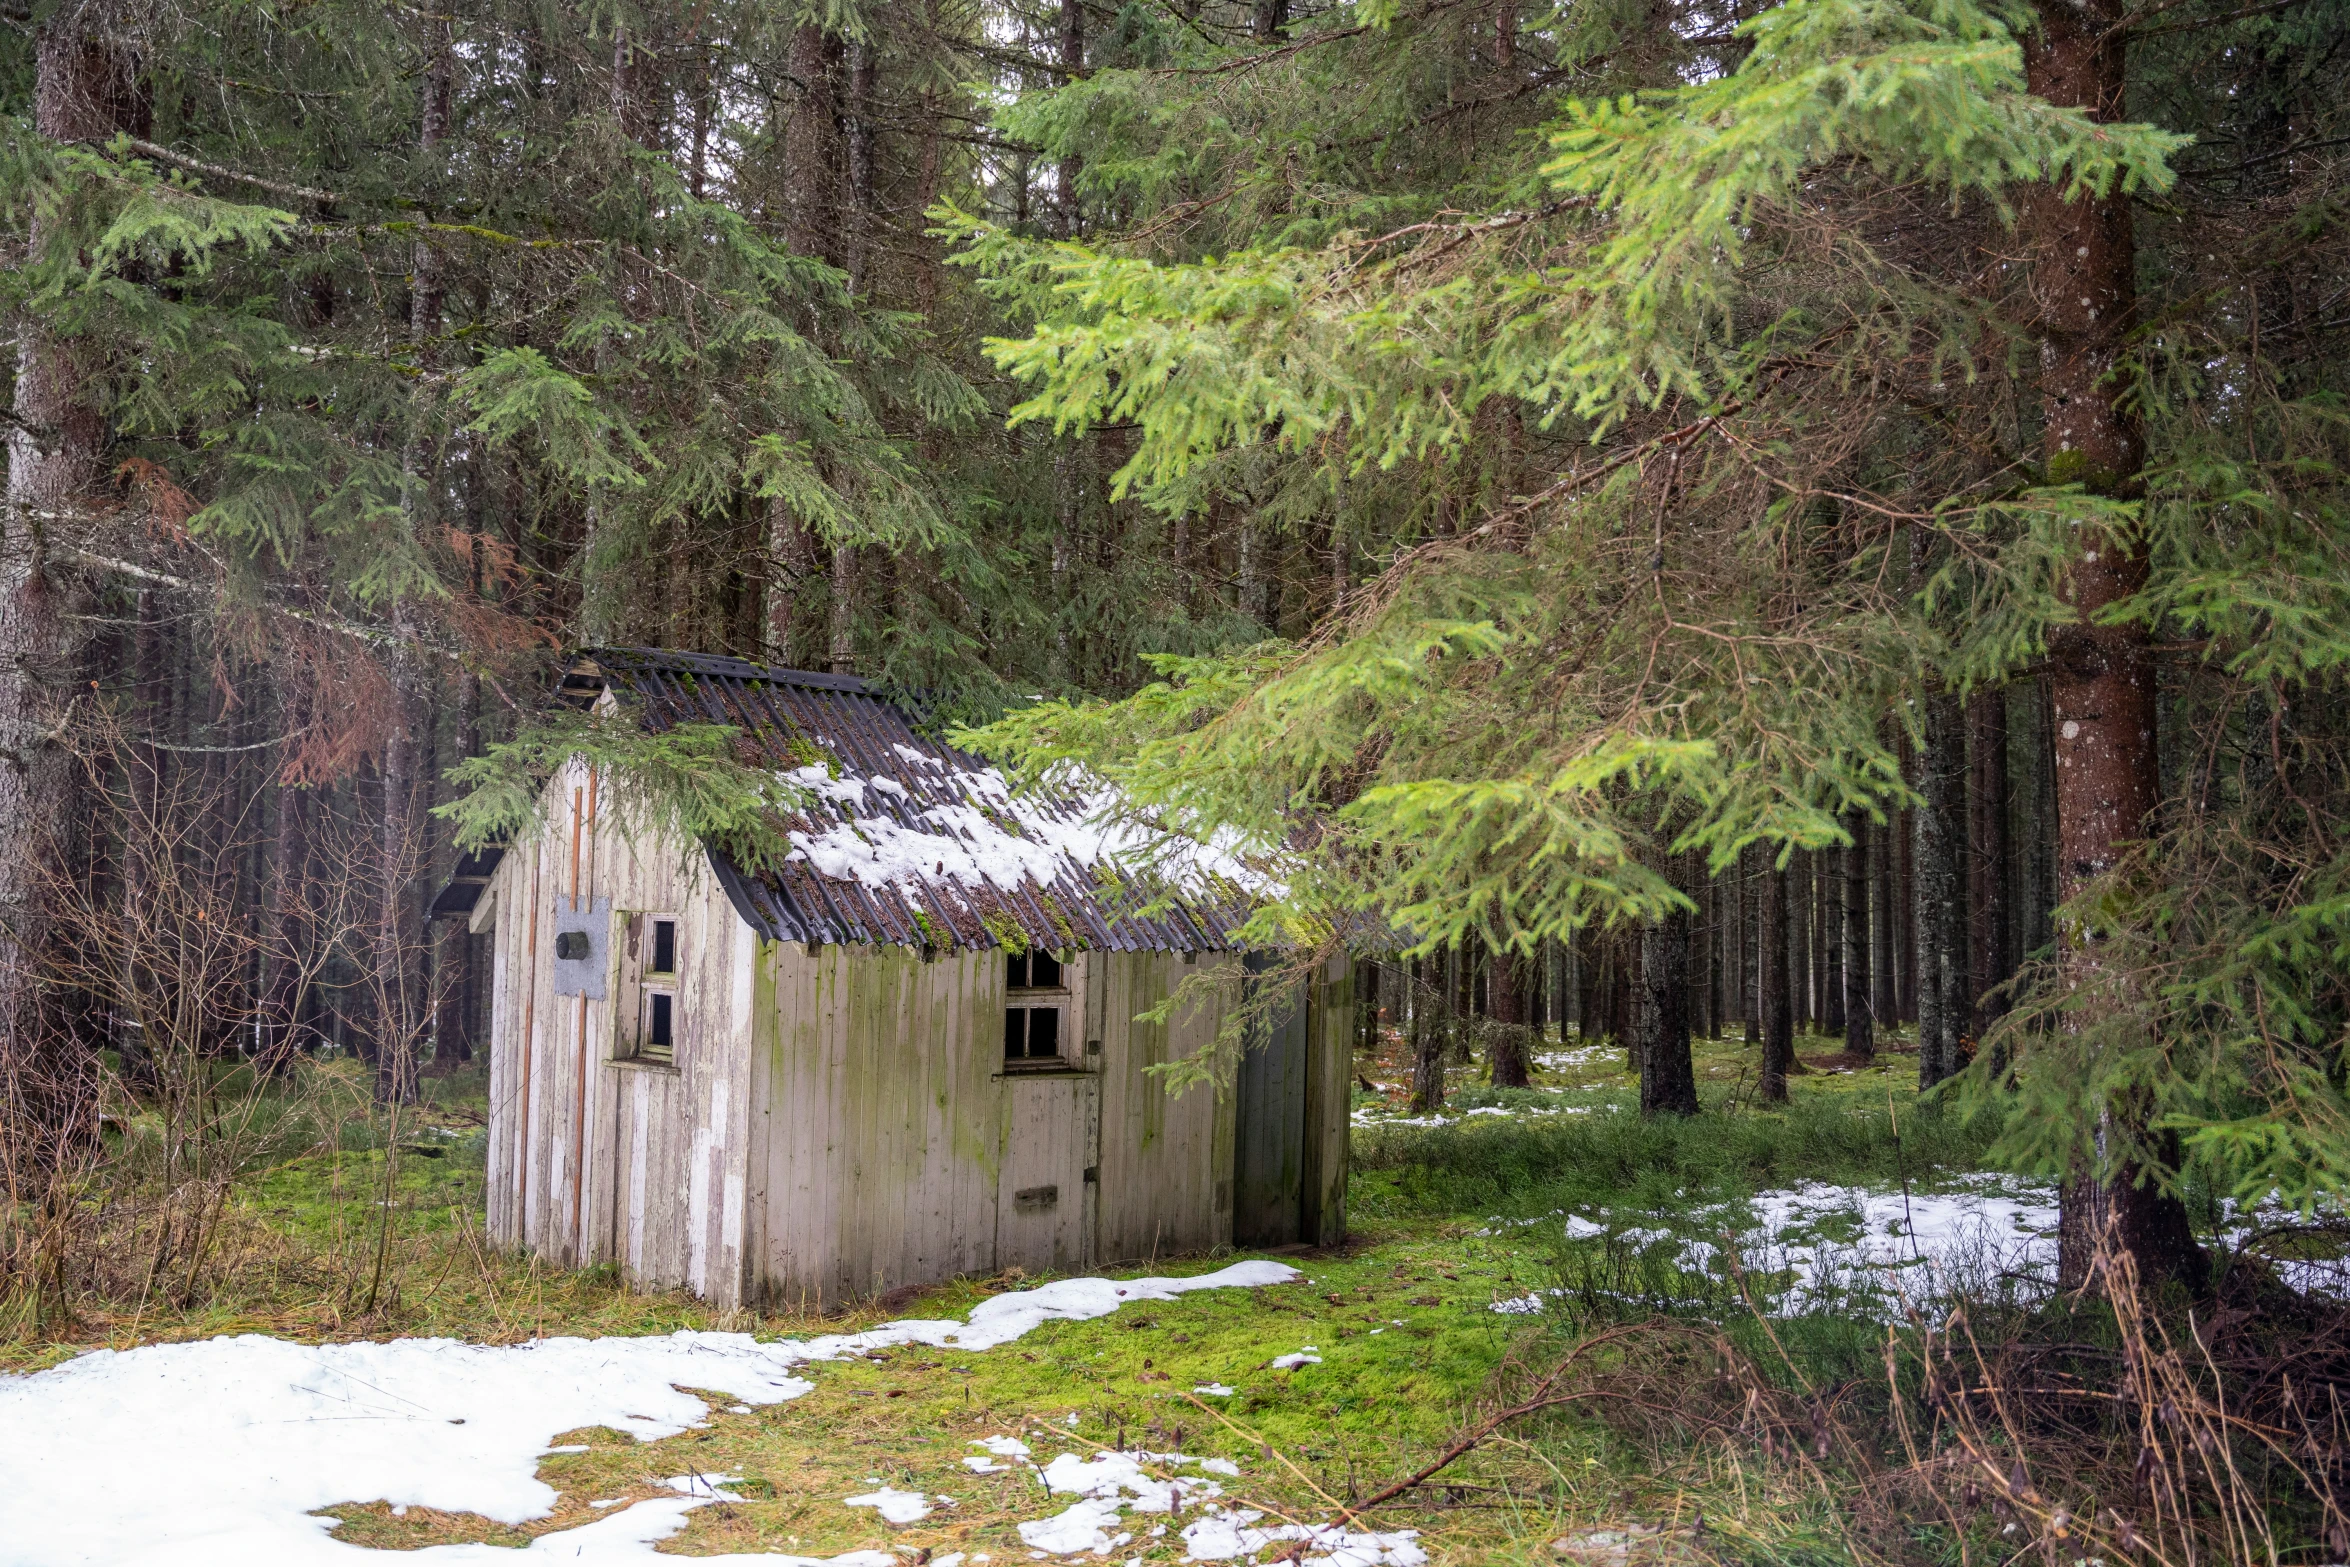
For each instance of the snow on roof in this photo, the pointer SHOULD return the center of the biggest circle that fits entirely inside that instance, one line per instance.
(907, 840)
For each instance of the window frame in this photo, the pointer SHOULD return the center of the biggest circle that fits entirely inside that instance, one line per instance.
(1027, 1000)
(633, 1045)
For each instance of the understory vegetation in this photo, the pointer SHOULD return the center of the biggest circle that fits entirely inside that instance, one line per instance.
(1515, 1311)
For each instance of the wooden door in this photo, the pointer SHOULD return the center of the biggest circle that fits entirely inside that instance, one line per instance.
(1044, 1201)
(1272, 1154)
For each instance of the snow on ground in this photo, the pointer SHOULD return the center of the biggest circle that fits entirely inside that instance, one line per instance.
(1817, 1247)
(1109, 1485)
(1372, 1115)
(218, 1452)
(895, 1506)
(1573, 1060)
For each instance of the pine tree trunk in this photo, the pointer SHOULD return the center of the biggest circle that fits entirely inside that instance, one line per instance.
(1884, 998)
(1988, 942)
(1668, 1077)
(1777, 1001)
(1830, 874)
(1427, 1036)
(452, 1037)
(2101, 678)
(1506, 1055)
(85, 89)
(1944, 1009)
(1860, 1005)
(1701, 964)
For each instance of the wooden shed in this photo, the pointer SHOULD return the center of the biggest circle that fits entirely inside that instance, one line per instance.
(913, 1051)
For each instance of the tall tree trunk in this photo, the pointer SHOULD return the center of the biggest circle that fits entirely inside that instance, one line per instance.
(2101, 677)
(860, 139)
(1905, 903)
(85, 89)
(1884, 955)
(1668, 1077)
(1860, 1001)
(1506, 1055)
(452, 1036)
(1777, 1000)
(1798, 929)
(1072, 63)
(1940, 890)
(1427, 1035)
(1829, 877)
(1988, 943)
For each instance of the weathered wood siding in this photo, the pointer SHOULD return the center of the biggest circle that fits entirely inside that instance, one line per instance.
(663, 1187)
(892, 1147)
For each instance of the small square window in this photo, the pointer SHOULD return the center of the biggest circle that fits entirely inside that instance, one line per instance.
(657, 1027)
(1032, 1033)
(664, 948)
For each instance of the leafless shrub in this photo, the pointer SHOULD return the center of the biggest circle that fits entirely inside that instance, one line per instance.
(116, 1177)
(2112, 1425)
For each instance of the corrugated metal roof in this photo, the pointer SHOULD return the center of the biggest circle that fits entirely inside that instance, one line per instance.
(888, 791)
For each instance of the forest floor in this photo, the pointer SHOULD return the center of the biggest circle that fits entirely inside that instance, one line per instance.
(1521, 1229)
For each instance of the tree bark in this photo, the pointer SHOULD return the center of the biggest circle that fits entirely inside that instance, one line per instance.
(2101, 677)
(1989, 947)
(1829, 882)
(1860, 1005)
(452, 1034)
(1884, 997)
(1944, 1009)
(1506, 1054)
(1777, 1002)
(85, 89)
(1427, 1036)
(1668, 1077)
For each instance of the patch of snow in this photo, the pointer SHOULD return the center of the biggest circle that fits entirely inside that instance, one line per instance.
(895, 1506)
(236, 1442)
(1113, 1483)
(1213, 1390)
(1232, 1534)
(1303, 1357)
(1084, 1526)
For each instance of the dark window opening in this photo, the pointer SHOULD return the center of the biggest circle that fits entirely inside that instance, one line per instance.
(660, 1022)
(1032, 1033)
(1034, 971)
(664, 948)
